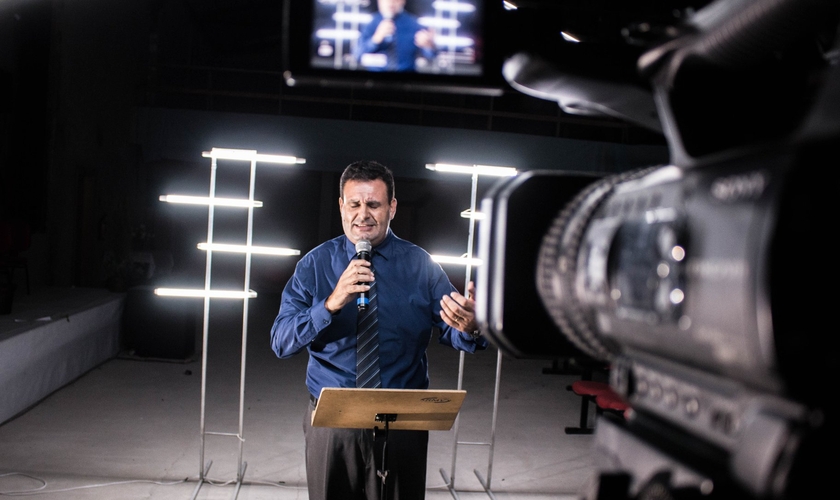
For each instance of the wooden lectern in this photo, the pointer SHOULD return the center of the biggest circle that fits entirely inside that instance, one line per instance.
(413, 409)
(397, 409)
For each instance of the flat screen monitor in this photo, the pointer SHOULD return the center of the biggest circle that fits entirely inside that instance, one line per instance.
(409, 44)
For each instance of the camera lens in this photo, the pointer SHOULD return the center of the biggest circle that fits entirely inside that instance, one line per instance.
(559, 279)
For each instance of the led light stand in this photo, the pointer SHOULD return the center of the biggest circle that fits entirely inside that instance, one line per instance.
(475, 171)
(231, 157)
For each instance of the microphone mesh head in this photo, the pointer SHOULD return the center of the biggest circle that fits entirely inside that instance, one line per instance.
(363, 246)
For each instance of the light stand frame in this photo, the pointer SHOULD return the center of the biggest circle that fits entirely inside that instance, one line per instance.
(208, 293)
(475, 171)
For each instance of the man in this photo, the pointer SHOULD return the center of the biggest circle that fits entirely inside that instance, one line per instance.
(318, 313)
(393, 39)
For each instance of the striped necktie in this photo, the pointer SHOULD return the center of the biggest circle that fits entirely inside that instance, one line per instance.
(367, 344)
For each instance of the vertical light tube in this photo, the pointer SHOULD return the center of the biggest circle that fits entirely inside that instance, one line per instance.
(205, 327)
(493, 425)
(245, 303)
(338, 55)
(472, 230)
(473, 194)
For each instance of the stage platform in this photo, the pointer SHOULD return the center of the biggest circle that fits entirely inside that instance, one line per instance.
(52, 337)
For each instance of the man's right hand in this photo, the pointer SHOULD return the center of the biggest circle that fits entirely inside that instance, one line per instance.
(354, 279)
(385, 29)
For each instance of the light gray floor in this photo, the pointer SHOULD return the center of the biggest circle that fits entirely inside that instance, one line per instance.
(133, 425)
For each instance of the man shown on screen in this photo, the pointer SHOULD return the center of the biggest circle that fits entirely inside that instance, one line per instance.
(393, 40)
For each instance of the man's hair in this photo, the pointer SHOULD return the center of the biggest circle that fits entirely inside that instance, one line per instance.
(366, 171)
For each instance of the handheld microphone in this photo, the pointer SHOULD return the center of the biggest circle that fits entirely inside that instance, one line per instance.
(363, 249)
(390, 17)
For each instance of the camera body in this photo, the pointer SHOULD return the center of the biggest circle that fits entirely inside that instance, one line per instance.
(701, 283)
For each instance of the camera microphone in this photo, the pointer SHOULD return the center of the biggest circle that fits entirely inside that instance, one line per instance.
(363, 249)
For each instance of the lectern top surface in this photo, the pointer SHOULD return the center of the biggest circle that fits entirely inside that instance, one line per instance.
(415, 409)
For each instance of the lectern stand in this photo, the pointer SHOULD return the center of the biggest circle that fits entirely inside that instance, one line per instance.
(397, 409)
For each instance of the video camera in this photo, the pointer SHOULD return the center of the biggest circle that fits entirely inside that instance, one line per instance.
(703, 284)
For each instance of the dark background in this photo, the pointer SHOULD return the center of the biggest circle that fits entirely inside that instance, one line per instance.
(105, 105)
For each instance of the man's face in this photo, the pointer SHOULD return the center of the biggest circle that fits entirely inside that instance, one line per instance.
(365, 211)
(390, 8)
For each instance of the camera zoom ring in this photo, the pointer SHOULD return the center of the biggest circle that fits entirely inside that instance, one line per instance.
(556, 266)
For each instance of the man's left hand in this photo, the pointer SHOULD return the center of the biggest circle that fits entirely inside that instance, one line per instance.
(458, 311)
(425, 39)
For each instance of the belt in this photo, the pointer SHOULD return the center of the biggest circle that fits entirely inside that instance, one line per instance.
(313, 400)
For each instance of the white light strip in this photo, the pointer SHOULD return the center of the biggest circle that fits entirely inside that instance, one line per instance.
(439, 22)
(334, 34)
(453, 6)
(250, 155)
(353, 17)
(204, 200)
(473, 169)
(347, 3)
(444, 259)
(223, 247)
(468, 214)
(509, 5)
(569, 38)
(453, 41)
(497, 171)
(201, 293)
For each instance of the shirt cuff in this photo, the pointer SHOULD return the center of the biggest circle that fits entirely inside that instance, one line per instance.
(480, 343)
(321, 317)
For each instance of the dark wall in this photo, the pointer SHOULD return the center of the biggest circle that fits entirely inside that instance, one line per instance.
(24, 138)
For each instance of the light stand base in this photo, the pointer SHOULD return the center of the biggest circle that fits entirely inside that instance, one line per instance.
(203, 479)
(449, 484)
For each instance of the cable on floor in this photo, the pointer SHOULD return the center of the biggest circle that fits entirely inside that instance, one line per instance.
(41, 490)
(278, 484)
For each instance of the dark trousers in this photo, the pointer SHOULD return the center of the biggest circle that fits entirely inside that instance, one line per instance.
(341, 464)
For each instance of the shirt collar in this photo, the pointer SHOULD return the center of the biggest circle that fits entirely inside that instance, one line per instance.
(385, 249)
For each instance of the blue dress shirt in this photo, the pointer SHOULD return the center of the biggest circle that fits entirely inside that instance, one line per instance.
(410, 285)
(399, 48)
